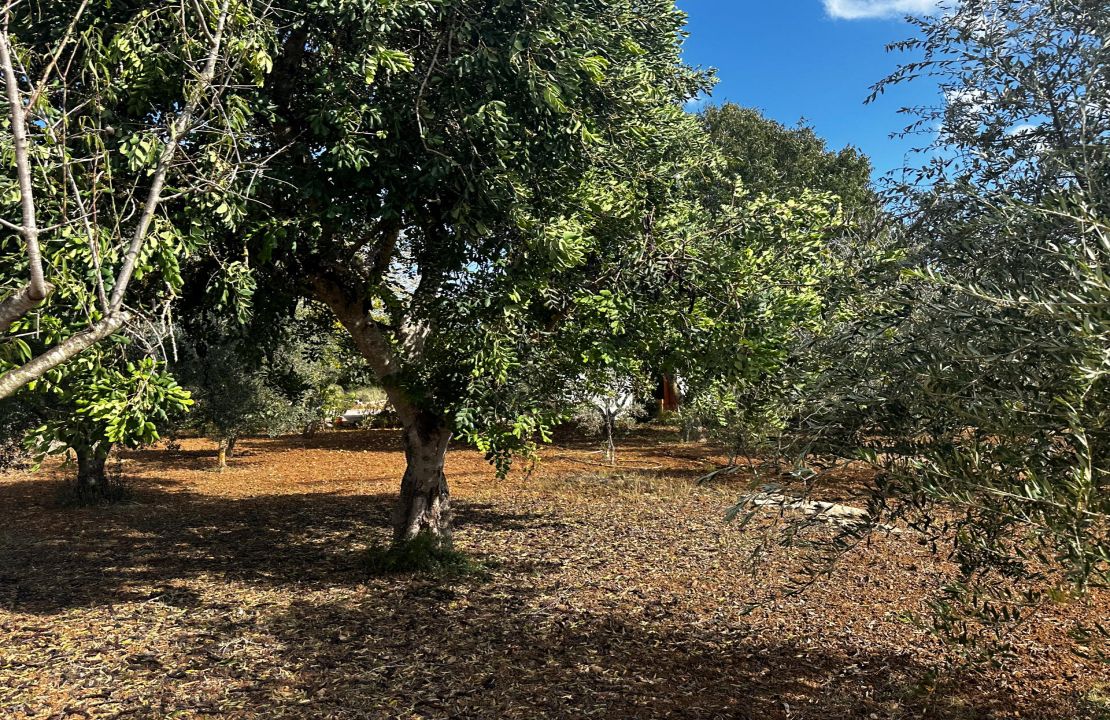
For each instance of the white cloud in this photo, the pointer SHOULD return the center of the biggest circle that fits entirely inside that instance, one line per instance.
(864, 9)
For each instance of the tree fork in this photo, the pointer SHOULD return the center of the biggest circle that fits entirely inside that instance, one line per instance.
(424, 505)
(20, 303)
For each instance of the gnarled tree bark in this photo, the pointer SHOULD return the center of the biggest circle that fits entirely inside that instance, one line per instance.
(92, 480)
(424, 506)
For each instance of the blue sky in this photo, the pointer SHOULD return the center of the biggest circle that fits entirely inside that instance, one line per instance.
(812, 59)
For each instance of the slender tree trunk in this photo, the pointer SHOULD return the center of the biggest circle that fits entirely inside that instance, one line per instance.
(73, 345)
(610, 445)
(672, 396)
(224, 450)
(92, 480)
(424, 506)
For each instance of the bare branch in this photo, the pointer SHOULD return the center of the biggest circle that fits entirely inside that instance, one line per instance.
(29, 230)
(178, 129)
(57, 54)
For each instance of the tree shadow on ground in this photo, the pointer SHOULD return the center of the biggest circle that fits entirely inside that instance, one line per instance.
(167, 459)
(355, 440)
(251, 451)
(435, 653)
(647, 452)
(56, 559)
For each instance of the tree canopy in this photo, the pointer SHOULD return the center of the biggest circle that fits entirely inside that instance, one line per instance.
(774, 159)
(103, 107)
(506, 207)
(497, 200)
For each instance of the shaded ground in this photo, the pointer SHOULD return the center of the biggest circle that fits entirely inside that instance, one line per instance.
(244, 595)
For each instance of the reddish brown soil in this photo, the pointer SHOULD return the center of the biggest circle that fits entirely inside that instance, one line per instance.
(246, 595)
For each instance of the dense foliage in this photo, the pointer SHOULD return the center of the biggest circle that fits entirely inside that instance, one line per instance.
(773, 159)
(496, 201)
(797, 216)
(112, 182)
(273, 374)
(971, 369)
(507, 210)
(116, 187)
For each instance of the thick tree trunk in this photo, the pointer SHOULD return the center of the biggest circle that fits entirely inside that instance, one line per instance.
(424, 507)
(92, 480)
(672, 396)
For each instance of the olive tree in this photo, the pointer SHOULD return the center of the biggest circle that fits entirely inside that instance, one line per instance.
(279, 371)
(1009, 223)
(972, 371)
(223, 365)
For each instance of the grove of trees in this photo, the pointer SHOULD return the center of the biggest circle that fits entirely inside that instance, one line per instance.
(220, 213)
